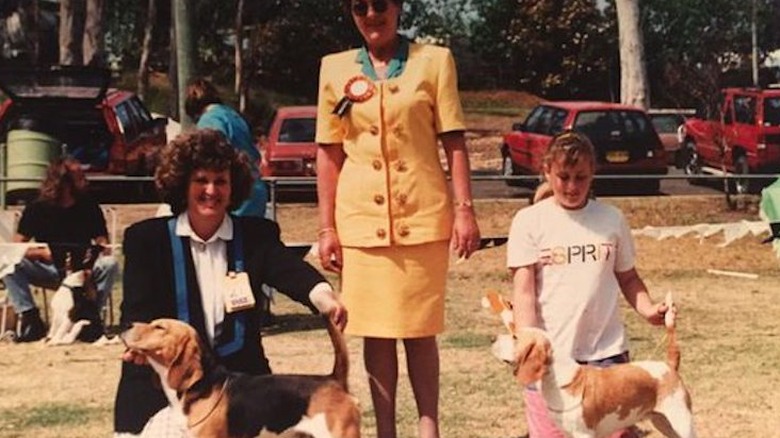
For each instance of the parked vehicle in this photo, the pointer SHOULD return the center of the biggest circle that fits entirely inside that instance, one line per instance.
(742, 137)
(71, 110)
(624, 138)
(669, 123)
(289, 149)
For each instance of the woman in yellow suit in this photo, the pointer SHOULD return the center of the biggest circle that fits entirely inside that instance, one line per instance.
(387, 216)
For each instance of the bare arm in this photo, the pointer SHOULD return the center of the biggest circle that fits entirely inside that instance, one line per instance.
(526, 312)
(465, 235)
(105, 243)
(330, 159)
(40, 253)
(636, 294)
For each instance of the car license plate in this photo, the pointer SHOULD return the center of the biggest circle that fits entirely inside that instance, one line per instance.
(617, 156)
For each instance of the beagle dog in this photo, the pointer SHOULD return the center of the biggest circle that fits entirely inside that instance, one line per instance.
(590, 402)
(74, 306)
(218, 403)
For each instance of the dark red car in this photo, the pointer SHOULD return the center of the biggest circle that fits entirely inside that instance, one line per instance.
(741, 137)
(288, 148)
(111, 132)
(624, 138)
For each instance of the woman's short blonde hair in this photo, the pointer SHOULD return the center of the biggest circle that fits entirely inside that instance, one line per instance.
(570, 147)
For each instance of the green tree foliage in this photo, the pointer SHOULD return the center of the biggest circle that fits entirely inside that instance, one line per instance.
(555, 47)
(289, 40)
(692, 45)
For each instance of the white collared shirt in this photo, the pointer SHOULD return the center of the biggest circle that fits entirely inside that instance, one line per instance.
(211, 267)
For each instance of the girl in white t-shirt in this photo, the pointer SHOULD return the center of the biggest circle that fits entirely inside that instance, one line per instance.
(570, 258)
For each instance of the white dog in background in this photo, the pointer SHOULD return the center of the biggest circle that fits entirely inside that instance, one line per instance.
(63, 329)
(75, 307)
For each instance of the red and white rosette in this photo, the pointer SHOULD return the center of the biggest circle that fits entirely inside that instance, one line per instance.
(359, 89)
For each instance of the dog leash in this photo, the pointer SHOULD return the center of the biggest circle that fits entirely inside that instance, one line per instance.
(213, 407)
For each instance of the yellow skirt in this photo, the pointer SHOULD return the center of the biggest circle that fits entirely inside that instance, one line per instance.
(395, 292)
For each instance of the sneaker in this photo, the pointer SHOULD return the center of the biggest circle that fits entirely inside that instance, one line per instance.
(33, 329)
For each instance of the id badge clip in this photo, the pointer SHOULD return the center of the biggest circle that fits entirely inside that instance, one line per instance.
(238, 293)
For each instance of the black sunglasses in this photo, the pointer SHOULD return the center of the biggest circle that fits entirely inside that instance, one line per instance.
(360, 8)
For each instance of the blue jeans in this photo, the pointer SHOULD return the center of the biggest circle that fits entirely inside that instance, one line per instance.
(42, 274)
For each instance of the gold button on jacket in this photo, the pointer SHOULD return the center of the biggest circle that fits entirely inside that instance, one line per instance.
(390, 142)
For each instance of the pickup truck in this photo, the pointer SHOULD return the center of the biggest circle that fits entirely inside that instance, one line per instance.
(742, 138)
(67, 110)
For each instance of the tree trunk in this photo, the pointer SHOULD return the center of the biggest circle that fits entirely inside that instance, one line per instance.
(239, 86)
(633, 76)
(185, 54)
(71, 30)
(173, 68)
(146, 48)
(93, 44)
(34, 31)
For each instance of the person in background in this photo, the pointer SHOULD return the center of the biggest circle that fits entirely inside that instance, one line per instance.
(203, 178)
(387, 216)
(570, 257)
(204, 105)
(67, 218)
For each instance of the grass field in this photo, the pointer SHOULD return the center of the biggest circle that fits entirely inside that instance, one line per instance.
(728, 330)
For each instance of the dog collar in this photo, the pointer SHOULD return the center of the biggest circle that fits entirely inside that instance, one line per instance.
(213, 407)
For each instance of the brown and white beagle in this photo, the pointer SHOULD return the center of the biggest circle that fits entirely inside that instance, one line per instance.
(590, 402)
(218, 403)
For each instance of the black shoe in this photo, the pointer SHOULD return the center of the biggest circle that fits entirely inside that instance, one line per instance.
(33, 329)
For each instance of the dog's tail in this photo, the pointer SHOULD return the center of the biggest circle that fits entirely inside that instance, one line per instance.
(341, 356)
(672, 350)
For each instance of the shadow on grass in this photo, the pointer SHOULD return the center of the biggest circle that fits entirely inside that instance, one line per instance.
(293, 322)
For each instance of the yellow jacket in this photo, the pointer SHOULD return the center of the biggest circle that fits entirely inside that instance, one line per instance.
(392, 188)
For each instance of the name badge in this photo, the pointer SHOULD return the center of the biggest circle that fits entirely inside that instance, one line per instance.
(237, 292)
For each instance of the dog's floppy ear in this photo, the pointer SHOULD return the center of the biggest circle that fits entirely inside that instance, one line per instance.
(185, 368)
(532, 358)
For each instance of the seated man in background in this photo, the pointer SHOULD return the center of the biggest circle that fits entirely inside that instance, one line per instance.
(66, 217)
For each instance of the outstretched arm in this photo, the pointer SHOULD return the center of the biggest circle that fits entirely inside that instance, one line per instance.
(636, 294)
(524, 307)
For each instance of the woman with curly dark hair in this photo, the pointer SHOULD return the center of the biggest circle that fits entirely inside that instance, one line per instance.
(177, 267)
(203, 104)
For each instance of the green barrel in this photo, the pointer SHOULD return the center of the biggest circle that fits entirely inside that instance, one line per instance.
(28, 154)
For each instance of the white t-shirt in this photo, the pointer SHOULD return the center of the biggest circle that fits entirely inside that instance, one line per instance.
(576, 254)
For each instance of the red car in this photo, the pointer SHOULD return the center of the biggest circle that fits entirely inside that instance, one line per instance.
(109, 131)
(741, 137)
(669, 124)
(624, 138)
(289, 148)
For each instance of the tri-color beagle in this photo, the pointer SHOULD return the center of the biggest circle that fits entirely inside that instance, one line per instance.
(218, 403)
(590, 402)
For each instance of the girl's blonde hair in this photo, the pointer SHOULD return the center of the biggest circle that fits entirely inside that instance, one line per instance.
(569, 147)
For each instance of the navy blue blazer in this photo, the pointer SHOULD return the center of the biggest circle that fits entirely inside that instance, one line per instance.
(149, 293)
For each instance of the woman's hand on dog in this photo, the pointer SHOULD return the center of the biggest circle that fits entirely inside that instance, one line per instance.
(654, 313)
(328, 303)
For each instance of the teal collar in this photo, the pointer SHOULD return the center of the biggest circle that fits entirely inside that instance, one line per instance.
(396, 66)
